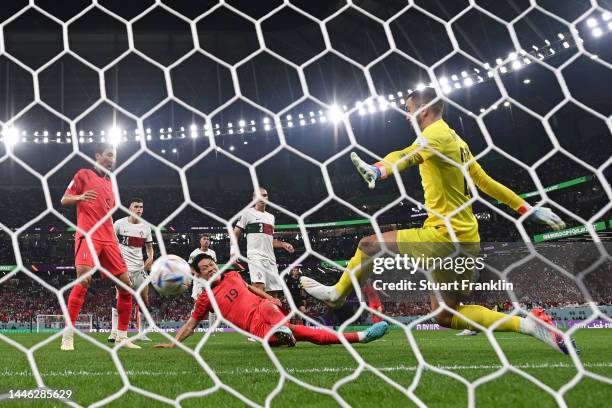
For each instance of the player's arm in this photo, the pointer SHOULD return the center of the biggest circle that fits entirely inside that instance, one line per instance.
(505, 195)
(149, 260)
(183, 333)
(401, 159)
(281, 244)
(264, 295)
(74, 193)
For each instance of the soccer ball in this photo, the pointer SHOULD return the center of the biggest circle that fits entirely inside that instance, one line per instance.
(170, 275)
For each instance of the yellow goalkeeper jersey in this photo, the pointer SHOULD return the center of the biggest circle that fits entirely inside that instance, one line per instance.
(444, 183)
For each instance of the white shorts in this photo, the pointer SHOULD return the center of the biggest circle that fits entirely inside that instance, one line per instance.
(196, 290)
(137, 278)
(266, 272)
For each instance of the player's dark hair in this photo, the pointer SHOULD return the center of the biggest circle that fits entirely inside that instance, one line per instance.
(100, 148)
(196, 260)
(426, 95)
(204, 235)
(136, 200)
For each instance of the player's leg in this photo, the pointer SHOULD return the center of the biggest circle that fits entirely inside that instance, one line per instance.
(257, 274)
(112, 261)
(360, 266)
(75, 304)
(535, 324)
(138, 279)
(323, 337)
(84, 263)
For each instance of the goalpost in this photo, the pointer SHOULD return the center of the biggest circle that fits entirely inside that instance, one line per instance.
(338, 115)
(53, 323)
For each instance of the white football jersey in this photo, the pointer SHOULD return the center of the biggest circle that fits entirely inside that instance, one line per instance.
(132, 238)
(259, 229)
(197, 288)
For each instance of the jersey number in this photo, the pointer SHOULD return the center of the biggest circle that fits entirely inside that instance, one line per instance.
(233, 294)
(464, 159)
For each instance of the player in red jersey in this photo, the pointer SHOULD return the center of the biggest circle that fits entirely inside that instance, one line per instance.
(91, 190)
(256, 312)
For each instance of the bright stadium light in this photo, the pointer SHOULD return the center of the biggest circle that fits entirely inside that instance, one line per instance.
(517, 65)
(335, 114)
(591, 22)
(241, 123)
(606, 16)
(10, 136)
(193, 128)
(597, 32)
(527, 81)
(114, 136)
(468, 82)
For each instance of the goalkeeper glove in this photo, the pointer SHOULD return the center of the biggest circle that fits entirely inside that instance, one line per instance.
(369, 173)
(544, 215)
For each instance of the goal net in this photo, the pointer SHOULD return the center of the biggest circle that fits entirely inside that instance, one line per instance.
(51, 323)
(208, 101)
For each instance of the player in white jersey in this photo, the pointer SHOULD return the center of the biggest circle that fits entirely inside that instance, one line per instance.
(133, 235)
(259, 228)
(197, 288)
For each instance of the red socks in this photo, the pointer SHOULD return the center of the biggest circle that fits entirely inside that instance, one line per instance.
(321, 337)
(124, 310)
(75, 302)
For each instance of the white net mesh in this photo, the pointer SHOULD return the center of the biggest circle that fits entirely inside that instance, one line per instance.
(280, 120)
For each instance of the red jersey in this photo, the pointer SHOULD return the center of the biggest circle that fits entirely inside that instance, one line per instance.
(236, 302)
(89, 213)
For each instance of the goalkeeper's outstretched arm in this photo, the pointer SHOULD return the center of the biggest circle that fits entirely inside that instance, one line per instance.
(504, 195)
(401, 159)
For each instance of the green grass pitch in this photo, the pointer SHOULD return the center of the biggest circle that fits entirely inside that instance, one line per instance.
(245, 367)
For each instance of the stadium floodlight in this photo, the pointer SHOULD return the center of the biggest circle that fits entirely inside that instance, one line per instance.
(506, 104)
(302, 122)
(288, 117)
(468, 82)
(547, 42)
(163, 151)
(457, 85)
(174, 150)
(322, 119)
(372, 109)
(362, 112)
(446, 89)
(561, 36)
(266, 127)
(482, 110)
(290, 124)
(464, 74)
(114, 136)
(606, 15)
(266, 121)
(241, 123)
(517, 65)
(420, 87)
(499, 61)
(503, 70)
(566, 44)
(527, 81)
(597, 32)
(148, 130)
(592, 22)
(231, 148)
(443, 80)
(193, 127)
(454, 77)
(490, 74)
(45, 133)
(10, 136)
(194, 135)
(512, 56)
(335, 115)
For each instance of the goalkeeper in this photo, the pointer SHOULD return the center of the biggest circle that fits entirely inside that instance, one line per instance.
(253, 310)
(446, 190)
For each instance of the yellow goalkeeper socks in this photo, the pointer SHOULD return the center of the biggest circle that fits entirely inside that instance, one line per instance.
(486, 318)
(345, 285)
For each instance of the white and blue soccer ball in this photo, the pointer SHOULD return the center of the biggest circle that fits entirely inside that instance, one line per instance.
(170, 275)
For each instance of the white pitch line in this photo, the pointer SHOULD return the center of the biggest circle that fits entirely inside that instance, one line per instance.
(265, 370)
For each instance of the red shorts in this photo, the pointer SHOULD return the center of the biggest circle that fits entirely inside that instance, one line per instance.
(265, 317)
(109, 255)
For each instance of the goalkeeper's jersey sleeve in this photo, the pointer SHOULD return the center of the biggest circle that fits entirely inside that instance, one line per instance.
(437, 152)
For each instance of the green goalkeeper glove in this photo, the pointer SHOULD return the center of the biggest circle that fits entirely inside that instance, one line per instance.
(369, 173)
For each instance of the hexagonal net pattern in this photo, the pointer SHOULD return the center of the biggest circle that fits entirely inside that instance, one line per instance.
(242, 80)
